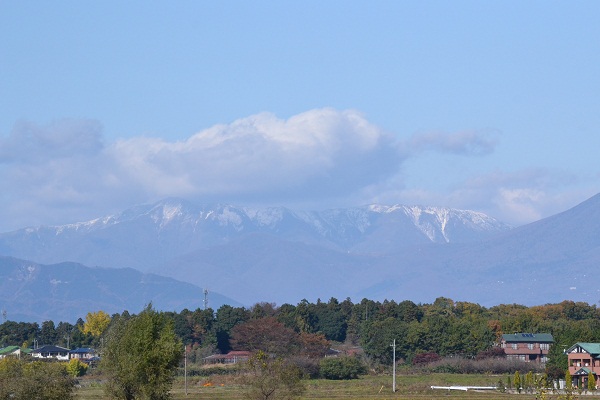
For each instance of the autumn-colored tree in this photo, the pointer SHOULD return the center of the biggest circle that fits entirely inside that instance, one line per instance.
(496, 326)
(266, 334)
(76, 368)
(96, 323)
(313, 345)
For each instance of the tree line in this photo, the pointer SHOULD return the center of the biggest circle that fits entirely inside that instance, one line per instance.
(444, 327)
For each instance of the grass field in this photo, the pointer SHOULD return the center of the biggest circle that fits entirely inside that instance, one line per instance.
(368, 387)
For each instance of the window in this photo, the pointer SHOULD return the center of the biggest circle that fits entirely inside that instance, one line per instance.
(530, 346)
(515, 345)
(544, 346)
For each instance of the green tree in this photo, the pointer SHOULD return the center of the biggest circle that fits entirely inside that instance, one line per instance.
(517, 381)
(47, 333)
(64, 332)
(591, 382)
(568, 380)
(338, 368)
(330, 320)
(226, 318)
(378, 337)
(20, 380)
(141, 356)
(529, 382)
(268, 378)
(16, 333)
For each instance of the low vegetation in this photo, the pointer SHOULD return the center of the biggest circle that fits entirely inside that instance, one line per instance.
(310, 346)
(26, 380)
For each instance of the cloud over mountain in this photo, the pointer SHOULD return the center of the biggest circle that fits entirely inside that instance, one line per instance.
(67, 171)
(316, 153)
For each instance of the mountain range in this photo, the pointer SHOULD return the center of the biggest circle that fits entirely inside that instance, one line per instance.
(379, 252)
(68, 291)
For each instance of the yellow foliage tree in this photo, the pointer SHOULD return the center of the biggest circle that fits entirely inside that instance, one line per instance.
(96, 323)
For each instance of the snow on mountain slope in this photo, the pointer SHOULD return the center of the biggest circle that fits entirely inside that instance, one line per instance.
(145, 236)
(281, 255)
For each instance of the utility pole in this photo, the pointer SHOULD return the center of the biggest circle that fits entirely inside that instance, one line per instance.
(185, 367)
(394, 367)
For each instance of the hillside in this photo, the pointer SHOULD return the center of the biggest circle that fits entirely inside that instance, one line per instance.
(279, 255)
(68, 291)
(242, 251)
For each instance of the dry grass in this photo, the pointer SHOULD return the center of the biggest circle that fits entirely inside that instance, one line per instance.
(222, 387)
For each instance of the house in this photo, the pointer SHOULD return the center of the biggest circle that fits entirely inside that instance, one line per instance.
(10, 351)
(528, 347)
(583, 358)
(233, 357)
(83, 353)
(60, 353)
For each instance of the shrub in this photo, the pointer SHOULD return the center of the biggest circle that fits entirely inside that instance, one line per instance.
(309, 366)
(265, 377)
(493, 352)
(20, 380)
(460, 365)
(425, 358)
(342, 368)
(76, 368)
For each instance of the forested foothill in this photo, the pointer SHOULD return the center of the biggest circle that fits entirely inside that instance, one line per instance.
(441, 330)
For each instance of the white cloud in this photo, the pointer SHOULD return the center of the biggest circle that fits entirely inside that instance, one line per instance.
(463, 142)
(317, 153)
(59, 172)
(516, 197)
(65, 172)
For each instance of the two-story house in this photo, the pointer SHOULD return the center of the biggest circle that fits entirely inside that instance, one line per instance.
(583, 359)
(528, 347)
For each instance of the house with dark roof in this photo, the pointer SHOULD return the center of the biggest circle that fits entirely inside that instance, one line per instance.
(583, 359)
(83, 353)
(49, 351)
(528, 347)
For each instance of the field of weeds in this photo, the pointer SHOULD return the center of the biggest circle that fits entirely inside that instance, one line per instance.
(368, 387)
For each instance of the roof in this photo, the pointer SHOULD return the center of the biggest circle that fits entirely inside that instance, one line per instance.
(82, 350)
(527, 338)
(50, 349)
(583, 371)
(9, 349)
(591, 348)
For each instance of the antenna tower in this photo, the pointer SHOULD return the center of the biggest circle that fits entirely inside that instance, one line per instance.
(205, 299)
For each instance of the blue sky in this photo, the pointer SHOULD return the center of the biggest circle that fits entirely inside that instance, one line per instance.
(491, 106)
